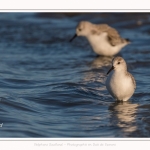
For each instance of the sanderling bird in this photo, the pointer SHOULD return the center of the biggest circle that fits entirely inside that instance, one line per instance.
(120, 83)
(103, 39)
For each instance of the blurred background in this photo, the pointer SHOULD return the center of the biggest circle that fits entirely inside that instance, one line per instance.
(50, 87)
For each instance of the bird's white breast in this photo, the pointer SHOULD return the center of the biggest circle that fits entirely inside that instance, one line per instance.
(120, 86)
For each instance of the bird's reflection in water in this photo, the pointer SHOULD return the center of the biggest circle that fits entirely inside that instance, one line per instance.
(123, 116)
(101, 61)
(98, 69)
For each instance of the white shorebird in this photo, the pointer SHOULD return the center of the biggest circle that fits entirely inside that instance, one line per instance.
(104, 39)
(120, 83)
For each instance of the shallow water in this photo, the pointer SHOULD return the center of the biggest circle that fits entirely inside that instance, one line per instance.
(52, 88)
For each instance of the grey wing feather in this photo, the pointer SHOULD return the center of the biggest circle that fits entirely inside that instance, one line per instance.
(113, 35)
(133, 80)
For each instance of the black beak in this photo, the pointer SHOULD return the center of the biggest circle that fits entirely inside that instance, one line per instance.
(112, 68)
(73, 38)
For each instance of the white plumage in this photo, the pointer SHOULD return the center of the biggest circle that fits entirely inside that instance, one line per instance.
(120, 83)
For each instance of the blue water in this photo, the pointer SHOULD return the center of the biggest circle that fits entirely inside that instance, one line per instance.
(50, 87)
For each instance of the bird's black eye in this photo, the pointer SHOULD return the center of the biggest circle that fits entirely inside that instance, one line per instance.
(80, 29)
(118, 63)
